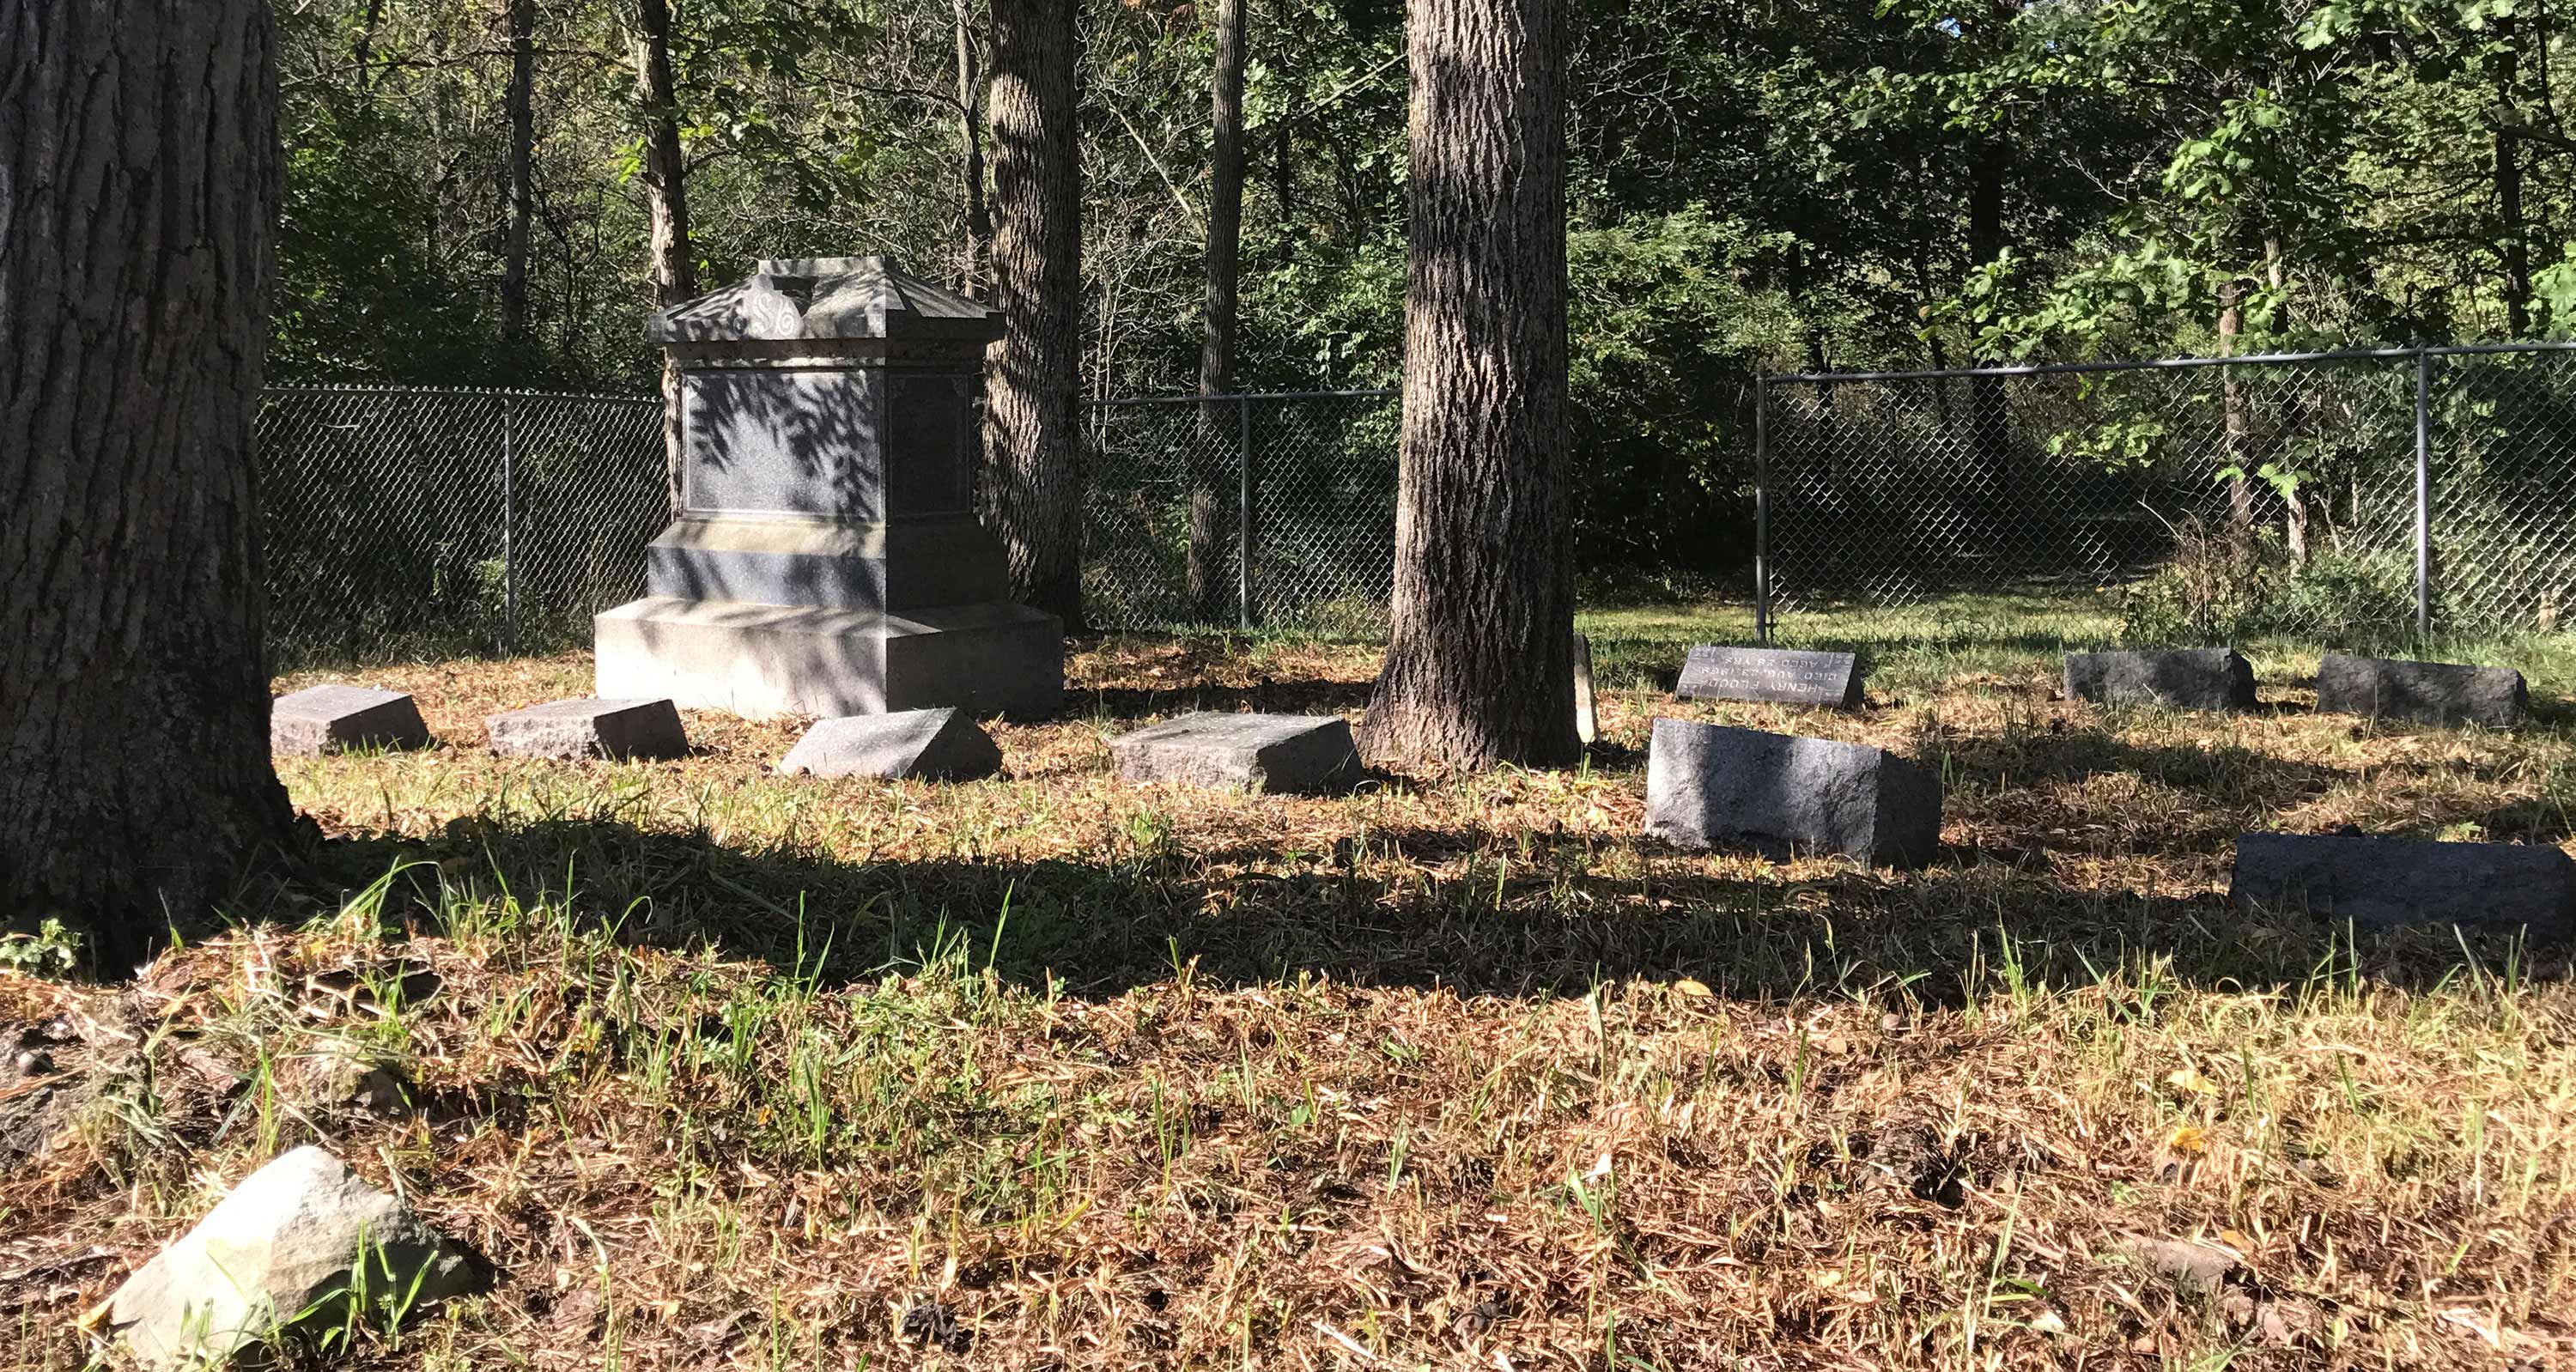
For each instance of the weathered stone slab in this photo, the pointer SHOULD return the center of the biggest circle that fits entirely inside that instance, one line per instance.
(2387, 881)
(934, 745)
(1311, 753)
(330, 719)
(2186, 678)
(278, 1251)
(2427, 692)
(569, 730)
(1709, 785)
(1787, 676)
(1587, 718)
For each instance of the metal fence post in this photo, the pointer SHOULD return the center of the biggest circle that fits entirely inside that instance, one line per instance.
(509, 531)
(2423, 493)
(1761, 512)
(1243, 511)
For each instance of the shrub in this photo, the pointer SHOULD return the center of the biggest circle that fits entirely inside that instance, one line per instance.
(2221, 589)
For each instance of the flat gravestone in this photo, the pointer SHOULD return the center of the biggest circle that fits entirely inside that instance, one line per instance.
(329, 719)
(1309, 753)
(1587, 718)
(1709, 785)
(934, 745)
(2389, 881)
(569, 730)
(1787, 676)
(2186, 678)
(2426, 692)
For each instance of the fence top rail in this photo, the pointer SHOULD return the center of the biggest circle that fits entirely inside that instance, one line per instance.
(2176, 363)
(1194, 399)
(485, 392)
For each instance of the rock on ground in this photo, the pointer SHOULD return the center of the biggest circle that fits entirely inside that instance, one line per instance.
(1308, 753)
(2188, 678)
(938, 745)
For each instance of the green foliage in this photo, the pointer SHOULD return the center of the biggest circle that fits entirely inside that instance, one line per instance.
(50, 951)
(2224, 589)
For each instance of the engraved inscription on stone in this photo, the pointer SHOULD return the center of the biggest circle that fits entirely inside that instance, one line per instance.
(927, 416)
(1784, 675)
(785, 441)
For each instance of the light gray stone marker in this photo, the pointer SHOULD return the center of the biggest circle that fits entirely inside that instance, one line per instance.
(1587, 717)
(1710, 784)
(934, 745)
(1787, 676)
(2426, 692)
(569, 730)
(277, 1251)
(2186, 678)
(329, 719)
(2387, 881)
(1309, 753)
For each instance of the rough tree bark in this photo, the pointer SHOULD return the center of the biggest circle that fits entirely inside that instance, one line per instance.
(666, 197)
(970, 134)
(1989, 415)
(518, 105)
(138, 198)
(1209, 525)
(2512, 236)
(1479, 665)
(1032, 489)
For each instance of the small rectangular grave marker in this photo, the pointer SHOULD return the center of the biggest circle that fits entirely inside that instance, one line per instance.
(937, 745)
(2187, 678)
(1312, 753)
(1709, 784)
(2385, 881)
(1787, 676)
(569, 730)
(2426, 692)
(330, 719)
(1587, 719)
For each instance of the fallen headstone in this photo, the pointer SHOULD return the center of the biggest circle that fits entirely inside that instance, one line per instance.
(935, 745)
(1311, 753)
(2389, 881)
(2426, 692)
(569, 730)
(1710, 784)
(1587, 718)
(330, 719)
(2185, 678)
(1787, 676)
(281, 1250)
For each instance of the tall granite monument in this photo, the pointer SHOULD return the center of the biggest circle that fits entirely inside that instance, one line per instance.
(827, 559)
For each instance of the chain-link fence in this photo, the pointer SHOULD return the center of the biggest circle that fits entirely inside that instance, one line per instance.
(2356, 495)
(1182, 529)
(406, 521)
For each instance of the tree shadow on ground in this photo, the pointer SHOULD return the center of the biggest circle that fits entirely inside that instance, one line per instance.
(1481, 913)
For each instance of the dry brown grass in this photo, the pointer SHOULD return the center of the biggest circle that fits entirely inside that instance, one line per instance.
(725, 1070)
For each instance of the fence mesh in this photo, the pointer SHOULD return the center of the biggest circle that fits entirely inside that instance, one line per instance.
(414, 522)
(2249, 497)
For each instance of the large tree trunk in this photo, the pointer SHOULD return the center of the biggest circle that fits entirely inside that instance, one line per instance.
(1479, 665)
(1032, 453)
(519, 106)
(666, 198)
(1208, 523)
(141, 159)
(970, 134)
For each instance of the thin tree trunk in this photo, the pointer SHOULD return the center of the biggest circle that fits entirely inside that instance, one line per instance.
(970, 134)
(2512, 234)
(519, 106)
(666, 194)
(2294, 501)
(2237, 424)
(1032, 453)
(1479, 664)
(135, 269)
(1989, 413)
(1209, 525)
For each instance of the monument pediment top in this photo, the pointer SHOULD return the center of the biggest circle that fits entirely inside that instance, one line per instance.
(826, 298)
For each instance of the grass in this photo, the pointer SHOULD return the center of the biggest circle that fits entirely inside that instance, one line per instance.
(725, 1070)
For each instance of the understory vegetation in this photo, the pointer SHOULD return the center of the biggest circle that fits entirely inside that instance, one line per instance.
(719, 1069)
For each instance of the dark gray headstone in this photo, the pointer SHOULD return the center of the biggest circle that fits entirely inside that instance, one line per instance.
(1788, 676)
(1709, 784)
(2427, 692)
(1312, 753)
(2385, 881)
(2186, 678)
(935, 745)
(1587, 718)
(574, 729)
(329, 719)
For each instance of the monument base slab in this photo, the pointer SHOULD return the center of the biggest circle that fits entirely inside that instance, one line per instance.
(755, 659)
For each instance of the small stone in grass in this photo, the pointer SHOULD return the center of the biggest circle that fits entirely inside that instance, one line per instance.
(331, 719)
(2425, 692)
(1308, 753)
(2186, 679)
(933, 1323)
(569, 730)
(936, 745)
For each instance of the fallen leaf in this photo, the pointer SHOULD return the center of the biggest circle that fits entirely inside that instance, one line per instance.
(1693, 988)
(2190, 1081)
(2189, 1138)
